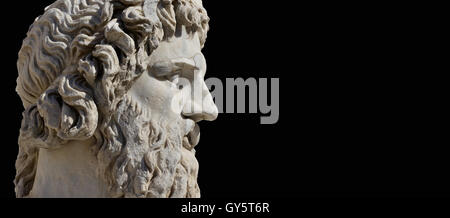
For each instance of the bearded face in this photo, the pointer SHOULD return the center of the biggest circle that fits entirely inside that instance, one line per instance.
(156, 123)
(112, 92)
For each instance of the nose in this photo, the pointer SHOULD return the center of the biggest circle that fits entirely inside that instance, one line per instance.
(201, 108)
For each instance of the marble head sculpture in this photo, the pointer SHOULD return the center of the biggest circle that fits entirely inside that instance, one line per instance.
(107, 87)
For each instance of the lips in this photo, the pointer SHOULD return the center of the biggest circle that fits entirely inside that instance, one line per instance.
(192, 138)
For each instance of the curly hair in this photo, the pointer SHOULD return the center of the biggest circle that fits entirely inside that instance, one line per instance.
(75, 65)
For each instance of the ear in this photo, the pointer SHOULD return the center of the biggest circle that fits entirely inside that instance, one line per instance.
(68, 108)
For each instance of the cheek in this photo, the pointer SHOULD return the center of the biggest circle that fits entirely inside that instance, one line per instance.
(155, 94)
(160, 96)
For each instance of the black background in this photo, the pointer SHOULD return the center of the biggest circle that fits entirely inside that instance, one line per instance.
(350, 120)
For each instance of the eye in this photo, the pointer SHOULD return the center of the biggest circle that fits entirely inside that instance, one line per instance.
(173, 78)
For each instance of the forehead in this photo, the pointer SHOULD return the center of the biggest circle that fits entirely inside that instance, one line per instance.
(182, 46)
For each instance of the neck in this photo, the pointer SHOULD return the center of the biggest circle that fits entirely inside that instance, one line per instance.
(69, 171)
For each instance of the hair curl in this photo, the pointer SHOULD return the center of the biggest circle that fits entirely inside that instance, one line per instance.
(75, 65)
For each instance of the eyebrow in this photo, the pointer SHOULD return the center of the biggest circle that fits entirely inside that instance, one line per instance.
(164, 68)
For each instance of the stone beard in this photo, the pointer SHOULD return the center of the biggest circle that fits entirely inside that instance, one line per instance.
(157, 161)
(108, 90)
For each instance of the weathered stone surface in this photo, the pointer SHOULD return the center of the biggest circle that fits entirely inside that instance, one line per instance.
(109, 89)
